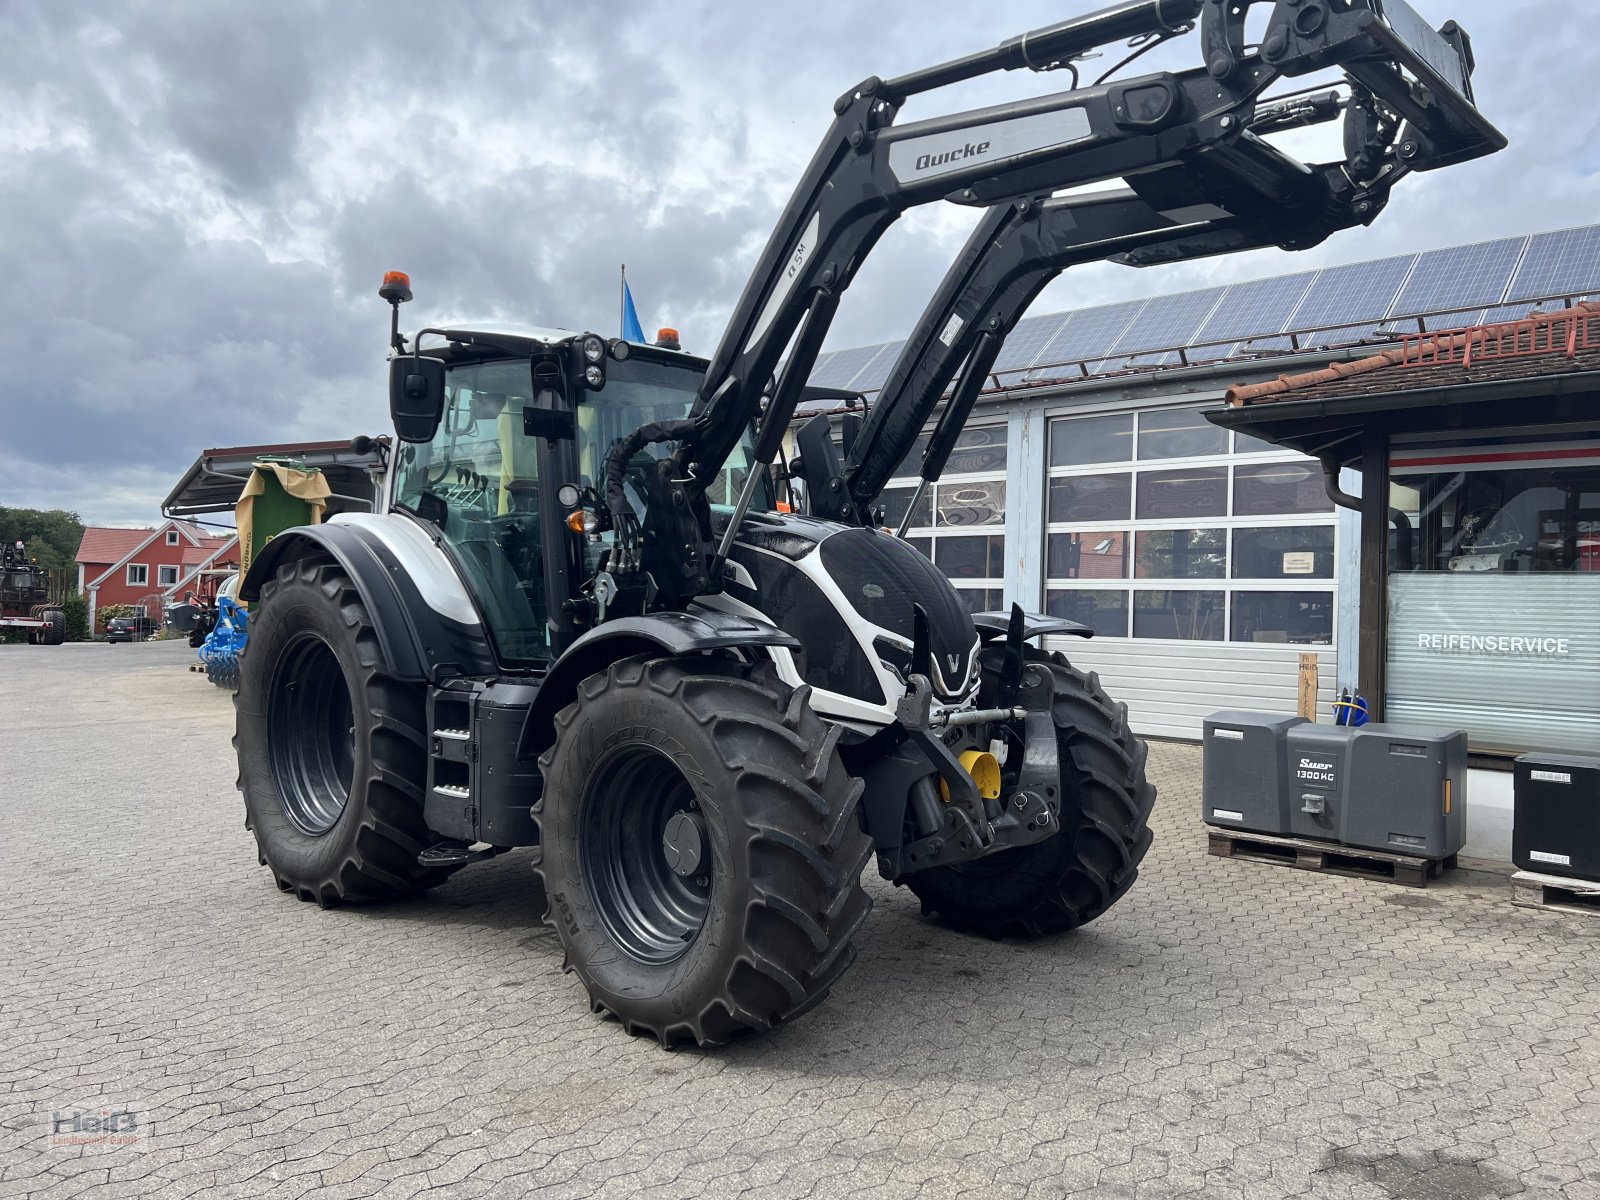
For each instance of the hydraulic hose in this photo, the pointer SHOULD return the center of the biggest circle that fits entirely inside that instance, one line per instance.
(623, 519)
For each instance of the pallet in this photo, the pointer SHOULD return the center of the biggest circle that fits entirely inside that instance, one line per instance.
(1327, 857)
(1555, 893)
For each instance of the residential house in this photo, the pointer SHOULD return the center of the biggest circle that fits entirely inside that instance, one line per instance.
(146, 568)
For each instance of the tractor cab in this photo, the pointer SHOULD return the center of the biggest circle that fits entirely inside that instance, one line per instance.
(503, 454)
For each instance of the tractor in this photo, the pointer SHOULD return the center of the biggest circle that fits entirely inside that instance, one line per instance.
(25, 603)
(580, 621)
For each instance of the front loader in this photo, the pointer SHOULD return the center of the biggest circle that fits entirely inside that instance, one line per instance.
(579, 621)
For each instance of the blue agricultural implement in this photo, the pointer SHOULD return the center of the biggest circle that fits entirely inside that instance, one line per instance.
(219, 652)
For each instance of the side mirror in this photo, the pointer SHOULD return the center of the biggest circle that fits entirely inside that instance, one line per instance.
(416, 396)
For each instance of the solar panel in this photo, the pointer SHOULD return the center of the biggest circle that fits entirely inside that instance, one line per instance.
(1361, 291)
(1462, 319)
(871, 376)
(1165, 321)
(1468, 318)
(1027, 339)
(1089, 334)
(841, 366)
(821, 365)
(1510, 312)
(1254, 316)
(1261, 306)
(1563, 263)
(1461, 277)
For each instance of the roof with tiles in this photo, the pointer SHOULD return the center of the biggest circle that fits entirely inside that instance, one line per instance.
(106, 546)
(1562, 342)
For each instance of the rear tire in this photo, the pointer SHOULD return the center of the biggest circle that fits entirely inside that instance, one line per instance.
(332, 756)
(1071, 878)
(761, 929)
(54, 633)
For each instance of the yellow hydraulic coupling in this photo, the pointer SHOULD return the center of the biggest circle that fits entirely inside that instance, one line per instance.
(985, 771)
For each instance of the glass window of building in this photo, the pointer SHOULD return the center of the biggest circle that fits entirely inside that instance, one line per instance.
(1493, 588)
(1105, 612)
(1180, 433)
(1264, 489)
(1183, 492)
(1102, 554)
(1199, 537)
(1091, 440)
(960, 521)
(1181, 554)
(1077, 498)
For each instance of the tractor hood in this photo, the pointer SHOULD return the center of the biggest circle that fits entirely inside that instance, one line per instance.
(850, 595)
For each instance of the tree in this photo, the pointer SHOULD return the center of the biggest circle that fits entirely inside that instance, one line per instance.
(76, 610)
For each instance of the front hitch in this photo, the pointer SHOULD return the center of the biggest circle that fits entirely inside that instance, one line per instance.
(916, 823)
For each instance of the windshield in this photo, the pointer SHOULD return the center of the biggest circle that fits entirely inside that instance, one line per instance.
(479, 480)
(639, 392)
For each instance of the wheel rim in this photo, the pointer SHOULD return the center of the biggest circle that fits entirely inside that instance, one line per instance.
(653, 913)
(312, 734)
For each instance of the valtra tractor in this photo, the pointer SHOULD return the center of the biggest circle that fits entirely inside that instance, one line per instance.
(580, 622)
(25, 603)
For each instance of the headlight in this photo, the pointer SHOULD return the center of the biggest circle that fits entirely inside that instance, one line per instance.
(594, 349)
(620, 350)
(594, 376)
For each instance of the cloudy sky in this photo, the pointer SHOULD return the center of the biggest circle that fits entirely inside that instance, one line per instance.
(198, 198)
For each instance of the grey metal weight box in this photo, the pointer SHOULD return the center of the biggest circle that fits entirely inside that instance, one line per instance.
(1396, 788)
(1244, 771)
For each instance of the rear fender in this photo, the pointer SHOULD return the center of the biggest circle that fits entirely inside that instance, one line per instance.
(662, 634)
(425, 635)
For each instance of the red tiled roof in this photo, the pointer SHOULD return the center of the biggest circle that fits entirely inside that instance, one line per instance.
(193, 556)
(1562, 342)
(106, 546)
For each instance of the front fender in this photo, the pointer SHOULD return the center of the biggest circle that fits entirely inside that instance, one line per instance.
(997, 624)
(667, 634)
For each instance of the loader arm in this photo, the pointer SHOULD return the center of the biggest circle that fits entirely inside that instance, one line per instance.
(867, 171)
(1196, 211)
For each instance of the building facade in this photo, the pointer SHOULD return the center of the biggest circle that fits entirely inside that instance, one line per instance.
(145, 569)
(1091, 484)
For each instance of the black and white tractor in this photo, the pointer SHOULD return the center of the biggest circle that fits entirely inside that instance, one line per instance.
(580, 620)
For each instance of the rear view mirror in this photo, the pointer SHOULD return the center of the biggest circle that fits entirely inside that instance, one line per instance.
(416, 396)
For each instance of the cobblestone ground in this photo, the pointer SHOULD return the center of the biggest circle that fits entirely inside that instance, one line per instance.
(1229, 1029)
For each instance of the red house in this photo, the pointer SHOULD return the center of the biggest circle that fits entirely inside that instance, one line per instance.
(148, 568)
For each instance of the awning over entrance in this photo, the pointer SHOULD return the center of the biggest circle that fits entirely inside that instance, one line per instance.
(1543, 369)
(215, 479)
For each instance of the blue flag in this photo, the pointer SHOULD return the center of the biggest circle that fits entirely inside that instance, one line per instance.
(631, 330)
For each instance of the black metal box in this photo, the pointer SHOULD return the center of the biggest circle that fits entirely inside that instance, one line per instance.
(1555, 810)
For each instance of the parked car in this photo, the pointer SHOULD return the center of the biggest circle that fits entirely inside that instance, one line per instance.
(131, 629)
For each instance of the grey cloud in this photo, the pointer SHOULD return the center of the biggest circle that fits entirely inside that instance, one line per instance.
(197, 200)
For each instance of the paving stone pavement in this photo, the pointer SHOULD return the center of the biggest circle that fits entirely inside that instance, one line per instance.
(1228, 1030)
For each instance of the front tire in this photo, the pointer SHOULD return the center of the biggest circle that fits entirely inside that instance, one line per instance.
(54, 633)
(1090, 863)
(332, 757)
(701, 849)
